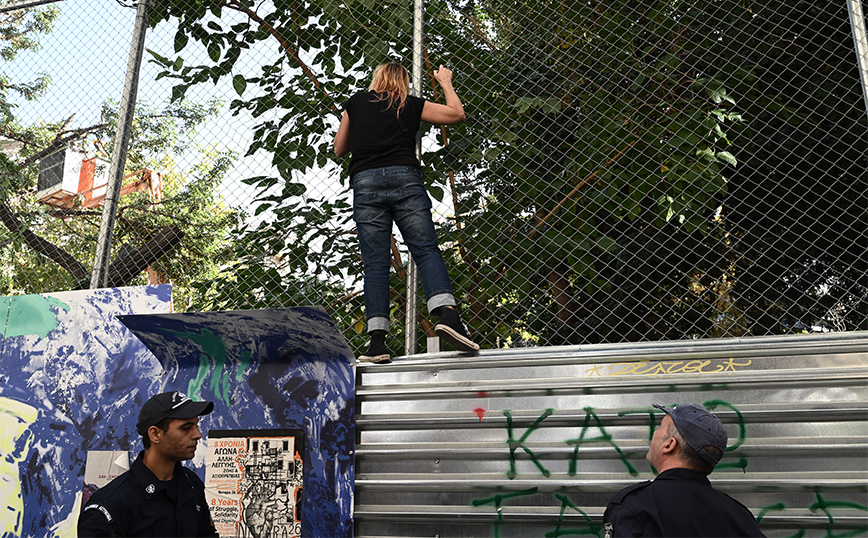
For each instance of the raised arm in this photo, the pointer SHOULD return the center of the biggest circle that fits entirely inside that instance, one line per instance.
(452, 111)
(342, 138)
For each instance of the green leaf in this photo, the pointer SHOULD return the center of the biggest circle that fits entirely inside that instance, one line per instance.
(690, 175)
(706, 154)
(714, 185)
(214, 51)
(239, 83)
(293, 189)
(262, 181)
(181, 39)
(522, 104)
(727, 157)
(474, 158)
(606, 244)
(665, 202)
(492, 154)
(178, 92)
(583, 265)
(377, 50)
(550, 105)
(505, 136)
(436, 192)
(162, 60)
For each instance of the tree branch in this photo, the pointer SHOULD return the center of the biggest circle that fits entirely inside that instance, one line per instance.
(284, 42)
(128, 264)
(579, 186)
(46, 248)
(63, 139)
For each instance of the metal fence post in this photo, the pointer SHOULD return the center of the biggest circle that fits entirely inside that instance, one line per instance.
(860, 37)
(412, 273)
(102, 259)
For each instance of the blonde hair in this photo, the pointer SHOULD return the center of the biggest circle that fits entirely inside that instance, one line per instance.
(392, 81)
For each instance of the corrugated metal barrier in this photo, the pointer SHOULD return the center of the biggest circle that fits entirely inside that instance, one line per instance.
(535, 441)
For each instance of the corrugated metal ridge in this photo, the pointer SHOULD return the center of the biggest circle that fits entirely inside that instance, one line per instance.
(755, 346)
(750, 413)
(846, 518)
(632, 449)
(802, 481)
(758, 379)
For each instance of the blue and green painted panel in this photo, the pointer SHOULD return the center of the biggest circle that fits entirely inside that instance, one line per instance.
(73, 377)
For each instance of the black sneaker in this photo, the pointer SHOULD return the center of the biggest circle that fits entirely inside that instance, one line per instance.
(377, 350)
(453, 331)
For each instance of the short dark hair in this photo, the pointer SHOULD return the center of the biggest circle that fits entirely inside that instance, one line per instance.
(691, 457)
(163, 425)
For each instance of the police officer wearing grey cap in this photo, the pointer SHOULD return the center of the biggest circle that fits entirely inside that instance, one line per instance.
(680, 501)
(158, 496)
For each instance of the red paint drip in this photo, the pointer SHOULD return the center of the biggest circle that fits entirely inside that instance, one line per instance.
(482, 394)
(480, 412)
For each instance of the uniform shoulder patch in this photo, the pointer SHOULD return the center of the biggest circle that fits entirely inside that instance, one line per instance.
(101, 508)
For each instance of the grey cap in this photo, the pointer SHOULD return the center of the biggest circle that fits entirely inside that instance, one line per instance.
(172, 404)
(699, 427)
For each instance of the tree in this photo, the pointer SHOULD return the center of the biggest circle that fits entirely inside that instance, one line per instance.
(67, 237)
(309, 235)
(796, 163)
(605, 131)
(20, 31)
(190, 207)
(507, 137)
(797, 207)
(591, 184)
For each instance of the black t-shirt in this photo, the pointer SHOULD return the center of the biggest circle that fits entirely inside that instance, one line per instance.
(378, 137)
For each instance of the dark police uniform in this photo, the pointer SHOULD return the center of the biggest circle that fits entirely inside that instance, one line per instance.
(679, 502)
(138, 504)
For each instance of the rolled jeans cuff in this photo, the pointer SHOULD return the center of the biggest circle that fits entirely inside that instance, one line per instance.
(441, 299)
(378, 324)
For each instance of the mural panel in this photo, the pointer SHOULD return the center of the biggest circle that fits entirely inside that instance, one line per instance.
(270, 369)
(73, 377)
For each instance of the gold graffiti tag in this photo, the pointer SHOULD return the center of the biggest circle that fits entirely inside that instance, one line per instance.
(705, 366)
(730, 364)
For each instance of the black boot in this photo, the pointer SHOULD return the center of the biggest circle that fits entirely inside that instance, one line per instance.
(377, 350)
(451, 329)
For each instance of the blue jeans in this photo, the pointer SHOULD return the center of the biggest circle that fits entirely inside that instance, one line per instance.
(396, 194)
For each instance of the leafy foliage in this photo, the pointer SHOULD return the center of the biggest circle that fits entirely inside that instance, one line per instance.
(190, 201)
(593, 184)
(20, 31)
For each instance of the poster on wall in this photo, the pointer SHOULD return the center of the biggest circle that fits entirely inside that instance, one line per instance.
(253, 482)
(102, 467)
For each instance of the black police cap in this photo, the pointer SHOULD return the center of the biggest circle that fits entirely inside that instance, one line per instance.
(173, 404)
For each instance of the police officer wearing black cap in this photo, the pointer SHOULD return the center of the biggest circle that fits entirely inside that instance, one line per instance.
(680, 501)
(158, 496)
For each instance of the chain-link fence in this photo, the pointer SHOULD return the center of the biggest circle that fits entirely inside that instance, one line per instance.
(629, 170)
